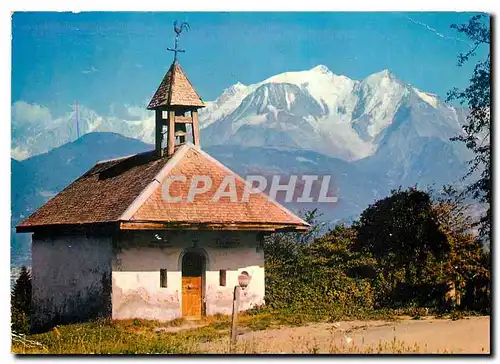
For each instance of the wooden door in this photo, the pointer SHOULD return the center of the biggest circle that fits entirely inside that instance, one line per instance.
(193, 264)
(191, 296)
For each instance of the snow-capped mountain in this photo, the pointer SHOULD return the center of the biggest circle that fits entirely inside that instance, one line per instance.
(314, 110)
(36, 135)
(327, 113)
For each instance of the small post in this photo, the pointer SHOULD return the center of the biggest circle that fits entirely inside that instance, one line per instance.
(236, 306)
(195, 128)
(158, 132)
(171, 133)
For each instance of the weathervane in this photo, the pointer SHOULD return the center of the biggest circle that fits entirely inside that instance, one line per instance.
(178, 30)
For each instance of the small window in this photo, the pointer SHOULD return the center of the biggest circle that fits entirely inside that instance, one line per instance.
(163, 278)
(222, 277)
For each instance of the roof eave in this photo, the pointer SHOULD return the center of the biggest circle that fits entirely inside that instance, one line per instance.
(88, 227)
(233, 226)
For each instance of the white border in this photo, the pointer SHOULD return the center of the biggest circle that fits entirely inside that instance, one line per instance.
(214, 5)
(257, 5)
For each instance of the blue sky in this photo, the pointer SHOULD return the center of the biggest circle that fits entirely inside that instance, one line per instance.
(110, 58)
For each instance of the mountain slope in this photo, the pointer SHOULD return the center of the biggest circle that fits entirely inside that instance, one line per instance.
(323, 112)
(34, 180)
(33, 137)
(371, 135)
(314, 110)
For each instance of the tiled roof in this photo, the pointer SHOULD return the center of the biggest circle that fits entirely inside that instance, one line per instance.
(130, 190)
(203, 210)
(101, 195)
(175, 90)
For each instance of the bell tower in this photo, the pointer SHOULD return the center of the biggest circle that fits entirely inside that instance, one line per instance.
(176, 105)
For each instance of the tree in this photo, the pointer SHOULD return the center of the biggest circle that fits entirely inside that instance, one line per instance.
(334, 250)
(452, 213)
(21, 302)
(467, 263)
(317, 226)
(339, 275)
(477, 130)
(401, 232)
(312, 273)
(285, 264)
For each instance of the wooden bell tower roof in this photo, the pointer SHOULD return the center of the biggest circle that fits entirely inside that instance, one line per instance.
(175, 90)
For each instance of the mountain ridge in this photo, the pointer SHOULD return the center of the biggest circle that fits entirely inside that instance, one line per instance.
(341, 117)
(345, 118)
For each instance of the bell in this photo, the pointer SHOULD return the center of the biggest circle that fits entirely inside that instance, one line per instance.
(180, 132)
(180, 129)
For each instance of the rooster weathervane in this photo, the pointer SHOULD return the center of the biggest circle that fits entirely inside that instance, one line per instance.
(178, 30)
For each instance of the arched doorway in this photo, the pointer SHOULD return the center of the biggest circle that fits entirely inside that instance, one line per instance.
(193, 272)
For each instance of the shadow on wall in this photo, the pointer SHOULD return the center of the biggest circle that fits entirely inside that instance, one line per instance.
(81, 306)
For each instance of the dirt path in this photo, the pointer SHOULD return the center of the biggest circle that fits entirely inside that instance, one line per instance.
(470, 335)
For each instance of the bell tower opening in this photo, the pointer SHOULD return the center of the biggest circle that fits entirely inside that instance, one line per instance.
(176, 105)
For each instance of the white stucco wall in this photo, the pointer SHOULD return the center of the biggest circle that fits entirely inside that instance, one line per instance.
(71, 278)
(136, 290)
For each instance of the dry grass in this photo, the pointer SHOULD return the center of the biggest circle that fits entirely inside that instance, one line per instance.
(114, 337)
(308, 345)
(210, 336)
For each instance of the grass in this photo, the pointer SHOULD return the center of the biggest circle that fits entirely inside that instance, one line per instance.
(118, 337)
(139, 337)
(305, 345)
(146, 337)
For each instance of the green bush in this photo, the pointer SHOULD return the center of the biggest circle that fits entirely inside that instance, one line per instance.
(316, 276)
(402, 253)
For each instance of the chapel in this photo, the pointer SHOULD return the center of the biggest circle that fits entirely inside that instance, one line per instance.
(156, 235)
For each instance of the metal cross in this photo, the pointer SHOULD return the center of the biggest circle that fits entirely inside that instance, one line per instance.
(178, 30)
